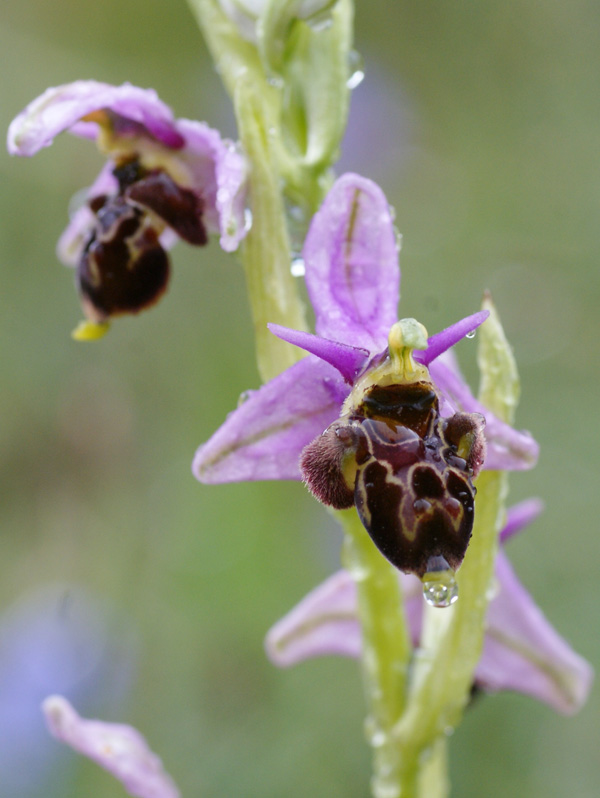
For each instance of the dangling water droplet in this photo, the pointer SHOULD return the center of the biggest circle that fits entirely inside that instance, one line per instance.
(471, 334)
(356, 68)
(439, 586)
(297, 266)
(247, 219)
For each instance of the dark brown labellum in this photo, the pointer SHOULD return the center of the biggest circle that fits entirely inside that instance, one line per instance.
(180, 208)
(408, 471)
(123, 268)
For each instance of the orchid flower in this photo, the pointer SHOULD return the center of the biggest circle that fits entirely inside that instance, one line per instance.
(353, 282)
(165, 178)
(118, 748)
(352, 278)
(521, 650)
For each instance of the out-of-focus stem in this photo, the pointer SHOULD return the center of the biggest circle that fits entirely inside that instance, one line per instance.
(386, 649)
(443, 673)
(433, 780)
(266, 253)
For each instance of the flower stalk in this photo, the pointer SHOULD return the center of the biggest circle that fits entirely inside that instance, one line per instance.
(386, 647)
(404, 437)
(443, 674)
(290, 142)
(266, 254)
(407, 728)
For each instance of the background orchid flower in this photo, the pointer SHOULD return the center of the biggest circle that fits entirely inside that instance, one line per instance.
(163, 176)
(521, 650)
(118, 748)
(353, 281)
(58, 638)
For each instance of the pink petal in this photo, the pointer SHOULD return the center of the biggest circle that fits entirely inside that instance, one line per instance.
(218, 175)
(117, 748)
(60, 108)
(214, 169)
(325, 621)
(263, 438)
(348, 360)
(507, 449)
(351, 259)
(523, 652)
(442, 341)
(519, 516)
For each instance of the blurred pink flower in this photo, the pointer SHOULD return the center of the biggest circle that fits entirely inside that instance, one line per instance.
(118, 748)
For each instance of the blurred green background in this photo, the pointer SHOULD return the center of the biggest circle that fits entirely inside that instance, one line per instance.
(482, 124)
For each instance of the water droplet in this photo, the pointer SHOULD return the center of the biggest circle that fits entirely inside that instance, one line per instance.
(437, 564)
(493, 589)
(472, 334)
(276, 81)
(297, 267)
(383, 788)
(378, 739)
(296, 212)
(440, 588)
(243, 397)
(247, 219)
(356, 69)
(398, 236)
(358, 570)
(374, 733)
(421, 505)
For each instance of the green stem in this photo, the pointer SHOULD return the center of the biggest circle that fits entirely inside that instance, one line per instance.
(386, 649)
(266, 252)
(443, 673)
(452, 638)
(433, 781)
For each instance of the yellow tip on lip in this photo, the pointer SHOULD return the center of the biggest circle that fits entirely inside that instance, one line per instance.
(90, 330)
